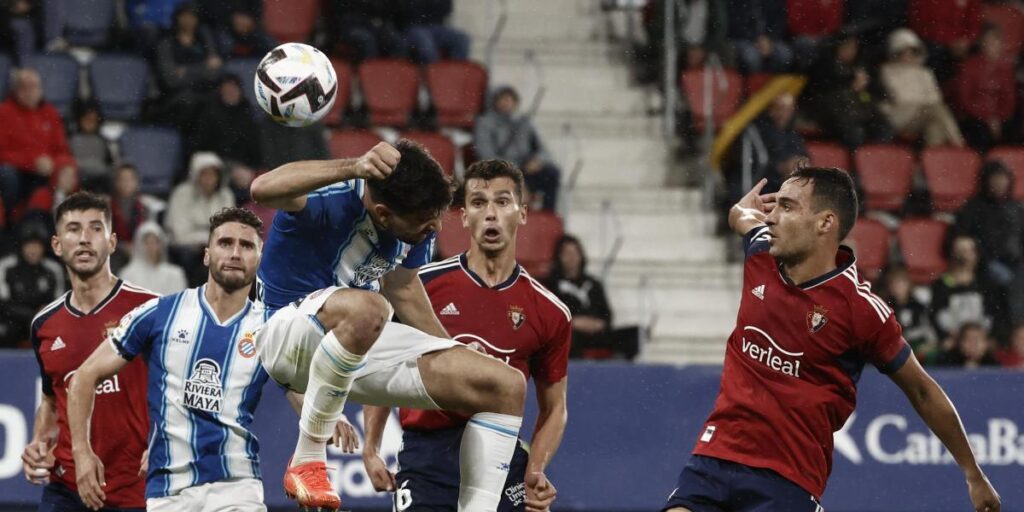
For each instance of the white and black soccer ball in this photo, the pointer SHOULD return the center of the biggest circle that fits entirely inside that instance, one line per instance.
(296, 84)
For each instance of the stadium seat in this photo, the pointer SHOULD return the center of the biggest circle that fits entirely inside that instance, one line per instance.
(265, 213)
(290, 20)
(119, 84)
(952, 176)
(885, 172)
(344, 94)
(5, 75)
(88, 22)
(535, 243)
(726, 87)
(870, 239)
(440, 147)
(352, 143)
(827, 154)
(453, 237)
(245, 70)
(1010, 21)
(921, 241)
(1012, 158)
(59, 73)
(756, 81)
(457, 89)
(156, 152)
(389, 87)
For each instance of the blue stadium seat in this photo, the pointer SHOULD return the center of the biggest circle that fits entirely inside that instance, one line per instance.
(60, 80)
(119, 84)
(5, 75)
(245, 69)
(157, 154)
(88, 22)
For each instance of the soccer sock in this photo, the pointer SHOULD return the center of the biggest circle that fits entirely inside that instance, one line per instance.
(331, 373)
(488, 444)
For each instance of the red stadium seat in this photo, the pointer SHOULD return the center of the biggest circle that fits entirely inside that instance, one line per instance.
(344, 94)
(756, 81)
(870, 240)
(290, 20)
(884, 172)
(726, 88)
(1012, 158)
(453, 238)
(389, 87)
(921, 242)
(265, 213)
(535, 243)
(952, 176)
(457, 89)
(827, 154)
(440, 147)
(1010, 21)
(352, 143)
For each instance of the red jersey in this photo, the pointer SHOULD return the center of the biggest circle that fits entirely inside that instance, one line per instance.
(792, 364)
(63, 337)
(519, 322)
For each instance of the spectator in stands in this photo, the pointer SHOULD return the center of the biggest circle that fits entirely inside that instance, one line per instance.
(810, 22)
(21, 27)
(873, 21)
(972, 349)
(44, 200)
(996, 221)
(986, 92)
(90, 149)
(28, 281)
(911, 313)
(149, 267)
(949, 27)
(368, 28)
(243, 37)
(427, 37)
(757, 29)
(501, 133)
(191, 206)
(149, 19)
(840, 99)
(126, 208)
(187, 64)
(240, 178)
(281, 144)
(32, 140)
(962, 294)
(701, 30)
(915, 105)
(225, 125)
(218, 14)
(775, 149)
(585, 297)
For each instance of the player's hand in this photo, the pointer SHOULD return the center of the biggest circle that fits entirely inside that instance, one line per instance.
(755, 200)
(37, 460)
(983, 495)
(540, 493)
(381, 477)
(378, 162)
(345, 436)
(89, 477)
(144, 464)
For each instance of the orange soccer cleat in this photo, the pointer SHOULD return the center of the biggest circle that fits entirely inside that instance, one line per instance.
(308, 484)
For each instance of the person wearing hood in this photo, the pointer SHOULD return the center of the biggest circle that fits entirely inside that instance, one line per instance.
(190, 208)
(225, 126)
(501, 134)
(28, 281)
(149, 267)
(996, 221)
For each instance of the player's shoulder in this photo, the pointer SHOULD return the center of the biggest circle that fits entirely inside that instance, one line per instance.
(48, 311)
(545, 299)
(136, 293)
(864, 304)
(432, 271)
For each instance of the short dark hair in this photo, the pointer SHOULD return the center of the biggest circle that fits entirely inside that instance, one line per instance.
(495, 168)
(834, 190)
(417, 185)
(81, 201)
(236, 214)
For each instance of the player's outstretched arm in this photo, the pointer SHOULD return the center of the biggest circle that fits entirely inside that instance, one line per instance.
(404, 290)
(552, 417)
(751, 210)
(102, 364)
(286, 186)
(37, 458)
(934, 407)
(374, 419)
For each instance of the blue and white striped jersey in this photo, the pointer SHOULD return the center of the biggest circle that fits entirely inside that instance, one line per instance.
(204, 383)
(331, 242)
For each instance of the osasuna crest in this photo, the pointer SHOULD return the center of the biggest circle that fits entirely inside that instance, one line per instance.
(816, 319)
(515, 314)
(203, 389)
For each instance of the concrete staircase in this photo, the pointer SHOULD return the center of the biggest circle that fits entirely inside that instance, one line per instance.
(670, 269)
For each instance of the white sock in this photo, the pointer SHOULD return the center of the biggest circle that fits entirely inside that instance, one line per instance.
(488, 444)
(331, 373)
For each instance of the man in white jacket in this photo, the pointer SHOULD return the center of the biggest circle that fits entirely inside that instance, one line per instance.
(188, 214)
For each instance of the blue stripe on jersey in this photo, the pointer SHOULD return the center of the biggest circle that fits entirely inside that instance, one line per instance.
(250, 397)
(344, 245)
(192, 417)
(228, 359)
(160, 457)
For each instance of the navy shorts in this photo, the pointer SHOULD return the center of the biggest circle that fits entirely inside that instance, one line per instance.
(428, 473)
(708, 484)
(58, 498)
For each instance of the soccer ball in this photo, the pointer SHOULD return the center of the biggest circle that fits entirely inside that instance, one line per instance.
(295, 83)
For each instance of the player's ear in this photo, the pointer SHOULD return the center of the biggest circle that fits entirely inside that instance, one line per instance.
(55, 244)
(112, 241)
(522, 214)
(206, 256)
(828, 222)
(382, 211)
(465, 221)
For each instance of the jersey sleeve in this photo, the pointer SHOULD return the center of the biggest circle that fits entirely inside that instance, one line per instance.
(133, 334)
(421, 253)
(756, 241)
(36, 345)
(887, 349)
(551, 363)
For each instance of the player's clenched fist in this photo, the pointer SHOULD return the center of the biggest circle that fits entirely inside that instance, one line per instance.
(378, 162)
(37, 460)
(540, 493)
(89, 477)
(983, 495)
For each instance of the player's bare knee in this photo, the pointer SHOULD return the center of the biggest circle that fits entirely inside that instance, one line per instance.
(508, 391)
(356, 317)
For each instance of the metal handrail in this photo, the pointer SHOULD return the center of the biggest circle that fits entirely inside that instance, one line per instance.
(499, 28)
(611, 222)
(671, 58)
(538, 71)
(648, 311)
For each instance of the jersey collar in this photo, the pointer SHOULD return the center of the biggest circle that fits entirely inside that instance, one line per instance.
(464, 263)
(74, 311)
(213, 316)
(844, 260)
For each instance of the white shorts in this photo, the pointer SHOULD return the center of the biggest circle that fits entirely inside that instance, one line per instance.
(391, 377)
(245, 494)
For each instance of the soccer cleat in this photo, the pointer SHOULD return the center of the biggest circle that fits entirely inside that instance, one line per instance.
(308, 484)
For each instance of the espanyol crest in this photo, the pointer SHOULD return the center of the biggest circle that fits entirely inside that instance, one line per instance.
(816, 319)
(515, 314)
